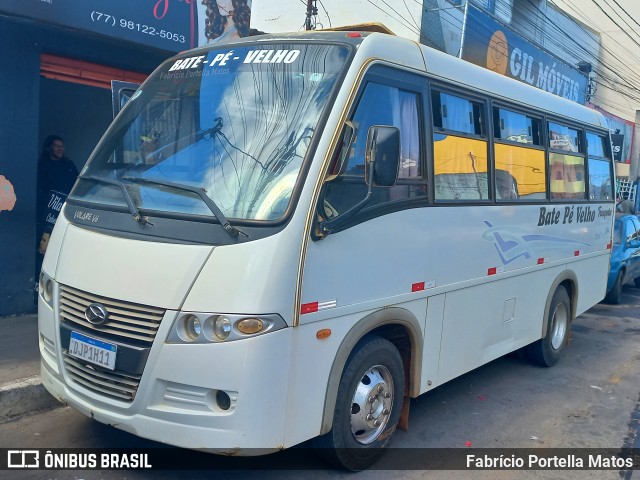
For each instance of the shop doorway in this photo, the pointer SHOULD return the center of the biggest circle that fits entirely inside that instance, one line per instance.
(76, 104)
(78, 113)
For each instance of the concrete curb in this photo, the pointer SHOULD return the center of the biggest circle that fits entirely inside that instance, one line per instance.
(24, 396)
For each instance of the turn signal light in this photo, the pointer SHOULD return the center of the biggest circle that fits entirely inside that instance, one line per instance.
(250, 326)
(324, 333)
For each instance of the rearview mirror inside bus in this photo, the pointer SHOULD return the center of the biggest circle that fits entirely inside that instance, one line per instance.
(383, 155)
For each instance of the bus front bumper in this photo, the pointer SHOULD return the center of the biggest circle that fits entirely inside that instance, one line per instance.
(177, 401)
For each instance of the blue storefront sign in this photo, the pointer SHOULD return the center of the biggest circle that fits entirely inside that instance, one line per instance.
(492, 45)
(165, 24)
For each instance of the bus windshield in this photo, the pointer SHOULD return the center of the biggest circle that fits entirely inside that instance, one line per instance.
(234, 122)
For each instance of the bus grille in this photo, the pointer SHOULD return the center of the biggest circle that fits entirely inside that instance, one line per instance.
(129, 322)
(131, 325)
(116, 384)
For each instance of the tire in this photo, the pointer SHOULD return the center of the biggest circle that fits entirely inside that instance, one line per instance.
(615, 294)
(371, 391)
(546, 351)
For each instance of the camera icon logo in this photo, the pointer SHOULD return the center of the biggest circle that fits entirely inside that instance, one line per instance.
(23, 459)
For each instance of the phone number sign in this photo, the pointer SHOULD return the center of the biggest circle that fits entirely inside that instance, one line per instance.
(164, 24)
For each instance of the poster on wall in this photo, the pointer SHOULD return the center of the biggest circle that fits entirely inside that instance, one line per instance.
(223, 20)
(492, 45)
(54, 206)
(172, 25)
(617, 142)
(622, 134)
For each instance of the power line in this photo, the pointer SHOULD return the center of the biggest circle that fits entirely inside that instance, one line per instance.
(627, 13)
(616, 78)
(617, 73)
(403, 21)
(326, 13)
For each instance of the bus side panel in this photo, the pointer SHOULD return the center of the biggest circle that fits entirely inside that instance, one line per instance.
(487, 321)
(310, 368)
(590, 292)
(432, 342)
(317, 363)
(495, 264)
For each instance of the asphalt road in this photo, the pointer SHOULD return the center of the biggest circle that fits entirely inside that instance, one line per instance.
(590, 399)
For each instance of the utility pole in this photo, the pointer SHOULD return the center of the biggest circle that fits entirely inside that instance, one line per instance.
(312, 10)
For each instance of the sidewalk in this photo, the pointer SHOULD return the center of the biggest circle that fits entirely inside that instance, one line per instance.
(21, 391)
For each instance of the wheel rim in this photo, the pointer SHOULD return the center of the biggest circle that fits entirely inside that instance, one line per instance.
(559, 326)
(371, 404)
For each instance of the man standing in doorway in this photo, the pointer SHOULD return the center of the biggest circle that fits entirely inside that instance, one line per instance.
(56, 176)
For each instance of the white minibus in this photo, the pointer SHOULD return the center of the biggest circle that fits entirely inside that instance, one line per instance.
(290, 236)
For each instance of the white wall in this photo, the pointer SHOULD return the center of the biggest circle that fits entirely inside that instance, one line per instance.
(619, 63)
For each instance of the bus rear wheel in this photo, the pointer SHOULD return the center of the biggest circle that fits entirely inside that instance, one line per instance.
(547, 350)
(368, 406)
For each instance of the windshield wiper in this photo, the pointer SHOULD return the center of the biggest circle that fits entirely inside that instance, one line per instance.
(201, 192)
(135, 212)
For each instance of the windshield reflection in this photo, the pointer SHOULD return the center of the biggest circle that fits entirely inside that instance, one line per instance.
(235, 123)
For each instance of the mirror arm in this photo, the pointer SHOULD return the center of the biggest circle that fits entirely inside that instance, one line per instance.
(329, 226)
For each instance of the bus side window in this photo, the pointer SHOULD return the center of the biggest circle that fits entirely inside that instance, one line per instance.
(520, 165)
(460, 160)
(600, 179)
(381, 105)
(566, 163)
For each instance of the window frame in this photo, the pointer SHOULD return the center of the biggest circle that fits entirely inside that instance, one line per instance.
(486, 122)
(496, 105)
(607, 158)
(580, 129)
(423, 85)
(404, 80)
(542, 120)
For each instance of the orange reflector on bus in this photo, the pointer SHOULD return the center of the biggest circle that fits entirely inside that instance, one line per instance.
(416, 287)
(576, 253)
(540, 261)
(324, 333)
(492, 271)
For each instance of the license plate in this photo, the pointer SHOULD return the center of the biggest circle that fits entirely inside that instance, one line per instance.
(93, 350)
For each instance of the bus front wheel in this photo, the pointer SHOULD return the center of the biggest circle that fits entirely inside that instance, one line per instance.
(368, 405)
(547, 350)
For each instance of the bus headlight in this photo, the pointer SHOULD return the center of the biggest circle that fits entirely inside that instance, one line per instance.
(193, 327)
(45, 288)
(222, 327)
(188, 328)
(197, 327)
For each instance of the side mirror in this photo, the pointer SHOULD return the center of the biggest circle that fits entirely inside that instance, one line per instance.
(382, 159)
(382, 156)
(634, 244)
